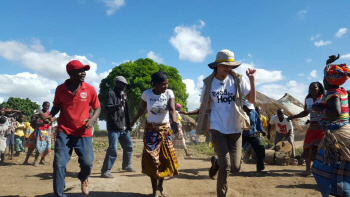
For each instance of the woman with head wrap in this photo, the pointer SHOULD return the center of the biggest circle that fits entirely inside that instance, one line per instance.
(331, 167)
(158, 158)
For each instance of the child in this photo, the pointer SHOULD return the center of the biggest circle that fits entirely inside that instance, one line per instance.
(3, 136)
(40, 138)
(11, 130)
(28, 129)
(19, 135)
(31, 140)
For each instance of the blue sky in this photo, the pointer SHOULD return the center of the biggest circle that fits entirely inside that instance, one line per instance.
(287, 41)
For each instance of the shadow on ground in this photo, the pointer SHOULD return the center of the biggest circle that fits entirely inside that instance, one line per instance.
(100, 194)
(300, 186)
(46, 175)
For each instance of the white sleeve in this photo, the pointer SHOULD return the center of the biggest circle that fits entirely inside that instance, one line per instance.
(272, 120)
(245, 87)
(170, 94)
(144, 96)
(203, 90)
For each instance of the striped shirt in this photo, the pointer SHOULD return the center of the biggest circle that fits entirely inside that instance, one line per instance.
(333, 123)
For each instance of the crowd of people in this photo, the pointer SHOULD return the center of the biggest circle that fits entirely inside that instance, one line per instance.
(227, 111)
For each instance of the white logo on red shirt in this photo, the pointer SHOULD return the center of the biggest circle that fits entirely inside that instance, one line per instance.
(83, 95)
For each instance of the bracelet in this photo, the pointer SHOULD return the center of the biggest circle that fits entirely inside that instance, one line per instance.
(324, 111)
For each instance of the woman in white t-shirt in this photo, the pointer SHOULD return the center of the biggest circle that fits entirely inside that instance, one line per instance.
(158, 158)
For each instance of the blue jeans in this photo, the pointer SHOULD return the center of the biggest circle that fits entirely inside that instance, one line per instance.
(111, 154)
(63, 150)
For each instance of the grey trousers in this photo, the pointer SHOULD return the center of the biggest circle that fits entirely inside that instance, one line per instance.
(226, 145)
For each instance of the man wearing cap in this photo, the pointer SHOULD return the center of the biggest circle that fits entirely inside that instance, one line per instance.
(73, 99)
(252, 136)
(221, 112)
(118, 126)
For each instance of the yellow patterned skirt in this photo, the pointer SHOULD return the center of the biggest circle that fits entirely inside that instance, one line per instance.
(158, 159)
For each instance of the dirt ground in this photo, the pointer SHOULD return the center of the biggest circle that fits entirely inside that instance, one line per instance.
(22, 180)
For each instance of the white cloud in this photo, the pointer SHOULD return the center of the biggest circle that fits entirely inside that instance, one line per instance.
(113, 5)
(190, 44)
(301, 74)
(157, 58)
(47, 64)
(262, 75)
(308, 60)
(301, 14)
(313, 75)
(322, 43)
(341, 32)
(346, 56)
(193, 90)
(276, 91)
(26, 85)
(315, 37)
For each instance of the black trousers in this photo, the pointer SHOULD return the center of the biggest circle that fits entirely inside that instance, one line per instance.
(258, 148)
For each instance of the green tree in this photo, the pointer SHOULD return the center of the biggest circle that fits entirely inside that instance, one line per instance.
(26, 106)
(138, 74)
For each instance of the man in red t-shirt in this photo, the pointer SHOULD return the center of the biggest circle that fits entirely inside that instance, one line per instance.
(73, 99)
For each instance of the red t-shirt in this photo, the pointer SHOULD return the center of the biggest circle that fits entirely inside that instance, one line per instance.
(45, 126)
(75, 109)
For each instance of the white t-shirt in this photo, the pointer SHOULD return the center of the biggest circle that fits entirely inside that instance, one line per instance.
(282, 127)
(157, 105)
(224, 116)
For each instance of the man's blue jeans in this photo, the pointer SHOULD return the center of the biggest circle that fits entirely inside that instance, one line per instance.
(111, 154)
(63, 150)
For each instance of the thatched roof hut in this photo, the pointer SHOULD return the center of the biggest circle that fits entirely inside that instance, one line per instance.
(294, 106)
(270, 106)
(289, 98)
(188, 123)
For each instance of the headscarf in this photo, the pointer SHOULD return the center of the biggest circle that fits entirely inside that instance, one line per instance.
(158, 77)
(177, 106)
(336, 74)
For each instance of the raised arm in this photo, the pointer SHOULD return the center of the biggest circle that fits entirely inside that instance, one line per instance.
(251, 97)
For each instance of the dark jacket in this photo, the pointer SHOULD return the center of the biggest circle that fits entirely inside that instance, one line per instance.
(117, 118)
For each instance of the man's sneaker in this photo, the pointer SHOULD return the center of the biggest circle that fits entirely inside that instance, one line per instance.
(213, 171)
(129, 169)
(85, 187)
(107, 175)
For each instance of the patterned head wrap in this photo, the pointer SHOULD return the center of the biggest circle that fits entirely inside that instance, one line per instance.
(336, 74)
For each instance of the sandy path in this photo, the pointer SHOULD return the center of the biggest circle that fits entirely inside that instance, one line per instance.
(20, 180)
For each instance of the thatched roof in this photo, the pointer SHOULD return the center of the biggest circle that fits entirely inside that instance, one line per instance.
(289, 98)
(270, 106)
(187, 120)
(294, 106)
(188, 123)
